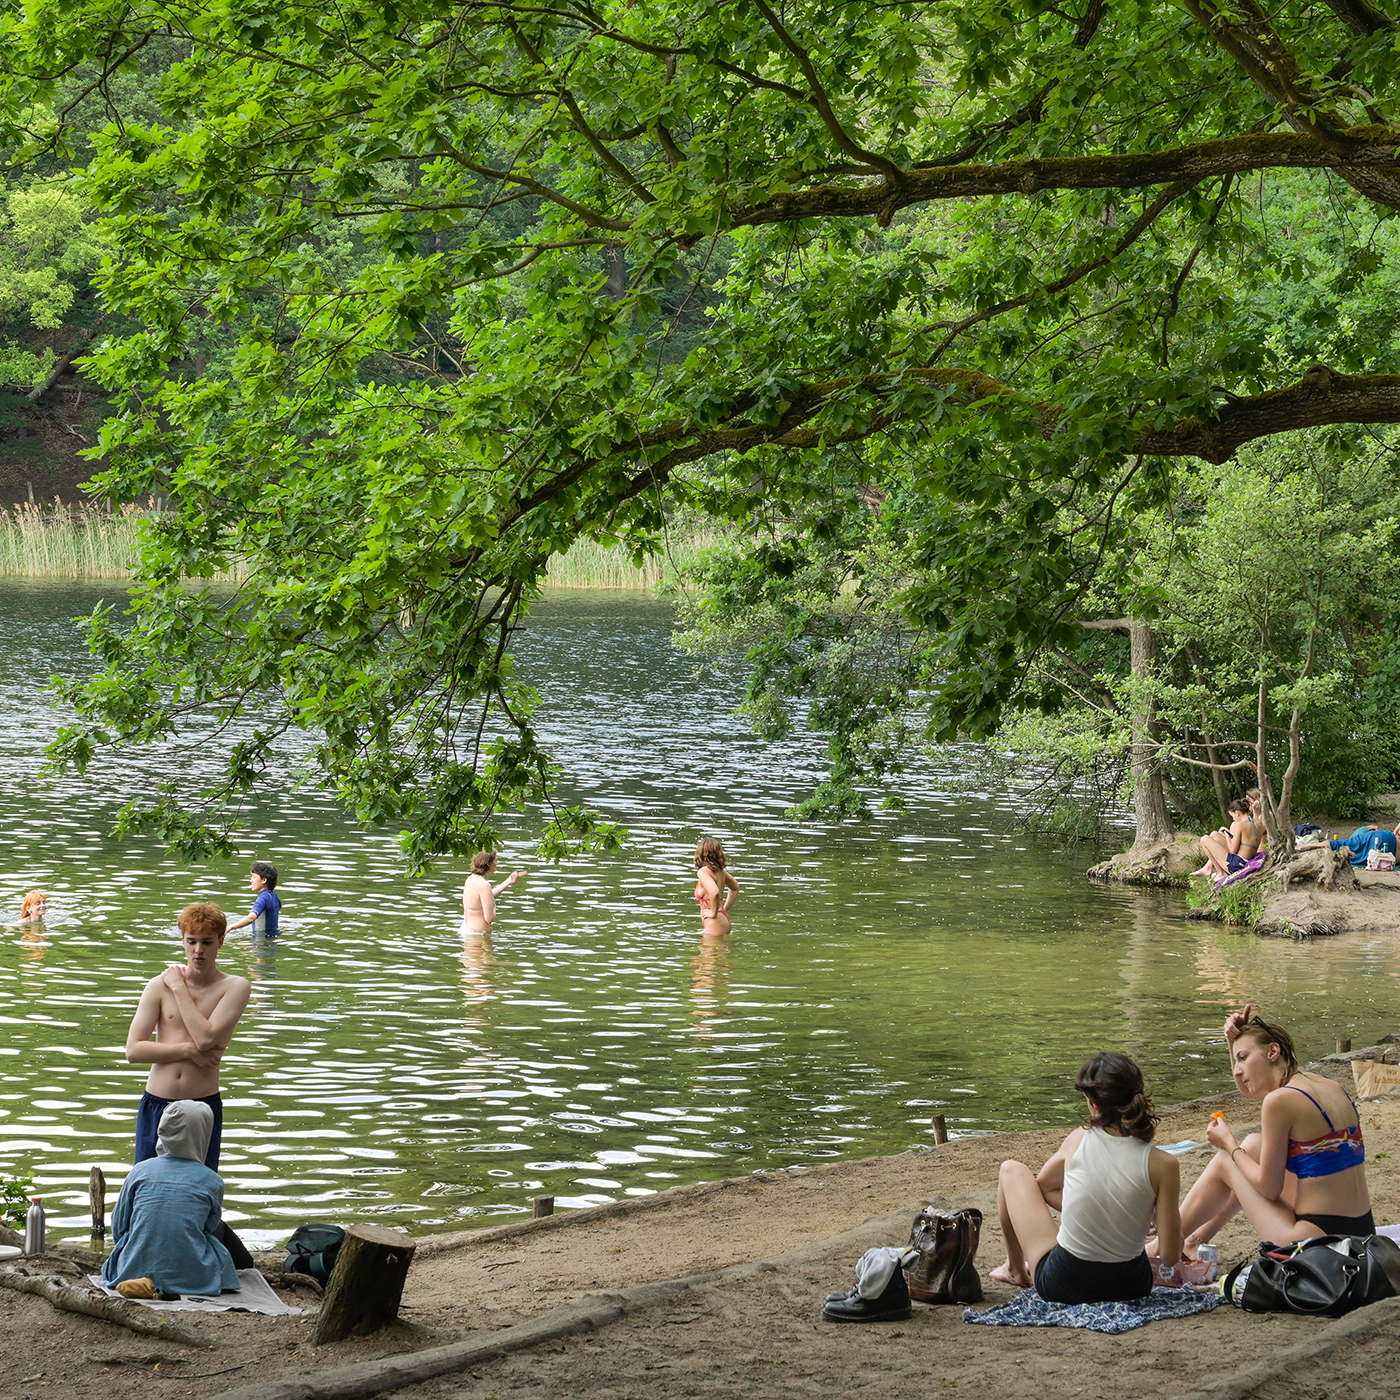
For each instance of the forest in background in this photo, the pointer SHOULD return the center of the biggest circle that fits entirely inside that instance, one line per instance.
(1035, 370)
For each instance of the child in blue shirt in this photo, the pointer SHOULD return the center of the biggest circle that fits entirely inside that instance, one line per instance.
(262, 878)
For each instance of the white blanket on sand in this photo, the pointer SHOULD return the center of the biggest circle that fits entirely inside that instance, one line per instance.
(255, 1294)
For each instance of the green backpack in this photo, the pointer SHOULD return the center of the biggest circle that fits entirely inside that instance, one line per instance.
(312, 1250)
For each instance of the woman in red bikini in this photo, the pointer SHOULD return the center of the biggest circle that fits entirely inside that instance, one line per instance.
(1302, 1174)
(715, 888)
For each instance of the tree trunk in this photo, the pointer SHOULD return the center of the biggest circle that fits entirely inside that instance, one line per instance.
(366, 1285)
(1154, 823)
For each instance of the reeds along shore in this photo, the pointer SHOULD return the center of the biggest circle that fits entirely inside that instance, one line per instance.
(78, 542)
(69, 542)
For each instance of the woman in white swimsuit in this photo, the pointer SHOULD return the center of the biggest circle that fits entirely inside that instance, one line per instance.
(479, 896)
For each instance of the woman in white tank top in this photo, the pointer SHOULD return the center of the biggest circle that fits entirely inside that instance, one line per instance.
(1109, 1184)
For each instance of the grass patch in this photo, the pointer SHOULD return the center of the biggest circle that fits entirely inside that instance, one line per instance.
(1240, 904)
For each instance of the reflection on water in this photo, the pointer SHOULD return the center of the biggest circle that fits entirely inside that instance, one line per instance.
(596, 1045)
(709, 983)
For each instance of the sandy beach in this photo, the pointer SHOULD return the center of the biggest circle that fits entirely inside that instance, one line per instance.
(759, 1334)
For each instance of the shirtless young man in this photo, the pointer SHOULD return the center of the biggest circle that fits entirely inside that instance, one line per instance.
(193, 1011)
(479, 895)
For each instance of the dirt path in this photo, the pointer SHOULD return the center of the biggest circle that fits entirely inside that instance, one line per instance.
(761, 1335)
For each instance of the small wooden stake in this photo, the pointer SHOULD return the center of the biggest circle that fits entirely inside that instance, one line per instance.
(366, 1286)
(544, 1205)
(1343, 1046)
(940, 1129)
(97, 1198)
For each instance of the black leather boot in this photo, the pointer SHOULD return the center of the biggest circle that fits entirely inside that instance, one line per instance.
(891, 1306)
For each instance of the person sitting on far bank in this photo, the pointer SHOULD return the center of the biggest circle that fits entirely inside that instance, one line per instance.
(32, 910)
(1231, 848)
(1108, 1182)
(168, 1233)
(1363, 840)
(1302, 1174)
(267, 907)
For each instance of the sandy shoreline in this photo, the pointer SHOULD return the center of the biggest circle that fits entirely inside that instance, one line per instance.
(761, 1334)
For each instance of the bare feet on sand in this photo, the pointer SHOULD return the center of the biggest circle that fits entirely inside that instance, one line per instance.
(1004, 1273)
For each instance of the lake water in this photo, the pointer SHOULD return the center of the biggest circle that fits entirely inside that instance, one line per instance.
(927, 962)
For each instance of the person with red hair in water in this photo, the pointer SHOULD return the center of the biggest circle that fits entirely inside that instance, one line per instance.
(32, 910)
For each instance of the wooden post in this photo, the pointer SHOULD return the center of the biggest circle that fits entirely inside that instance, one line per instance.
(366, 1285)
(940, 1129)
(1343, 1046)
(544, 1205)
(97, 1198)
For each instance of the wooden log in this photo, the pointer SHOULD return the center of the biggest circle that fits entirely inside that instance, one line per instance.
(366, 1285)
(97, 1199)
(544, 1205)
(54, 1289)
(940, 1129)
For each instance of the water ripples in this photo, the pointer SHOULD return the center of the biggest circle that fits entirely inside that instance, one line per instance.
(597, 1047)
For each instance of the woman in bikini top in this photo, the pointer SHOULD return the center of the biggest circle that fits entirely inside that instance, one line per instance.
(1292, 1182)
(715, 888)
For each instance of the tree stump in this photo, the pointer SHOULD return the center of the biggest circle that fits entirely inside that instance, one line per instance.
(366, 1285)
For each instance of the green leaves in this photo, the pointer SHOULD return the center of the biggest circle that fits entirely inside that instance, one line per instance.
(407, 299)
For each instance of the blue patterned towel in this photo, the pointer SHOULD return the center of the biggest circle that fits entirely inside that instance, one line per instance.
(1029, 1309)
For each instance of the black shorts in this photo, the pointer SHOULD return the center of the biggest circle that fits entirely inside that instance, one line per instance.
(1342, 1224)
(1061, 1277)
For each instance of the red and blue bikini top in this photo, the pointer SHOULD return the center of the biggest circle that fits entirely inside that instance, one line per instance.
(1337, 1150)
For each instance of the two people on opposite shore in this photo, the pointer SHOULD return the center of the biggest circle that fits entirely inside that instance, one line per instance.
(1228, 849)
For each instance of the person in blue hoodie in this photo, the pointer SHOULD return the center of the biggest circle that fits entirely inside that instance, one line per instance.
(1361, 842)
(167, 1228)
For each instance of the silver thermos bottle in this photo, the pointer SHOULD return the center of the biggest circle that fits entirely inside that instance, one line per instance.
(34, 1227)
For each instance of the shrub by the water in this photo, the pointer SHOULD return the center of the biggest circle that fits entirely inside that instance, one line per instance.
(15, 1192)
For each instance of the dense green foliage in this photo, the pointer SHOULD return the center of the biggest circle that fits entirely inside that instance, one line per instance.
(413, 296)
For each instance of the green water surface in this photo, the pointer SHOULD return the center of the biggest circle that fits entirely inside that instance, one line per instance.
(926, 962)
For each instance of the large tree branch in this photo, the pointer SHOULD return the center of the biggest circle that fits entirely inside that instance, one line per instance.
(1322, 396)
(1360, 17)
(1373, 150)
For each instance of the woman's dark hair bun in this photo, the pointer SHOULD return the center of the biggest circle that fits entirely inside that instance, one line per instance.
(1115, 1084)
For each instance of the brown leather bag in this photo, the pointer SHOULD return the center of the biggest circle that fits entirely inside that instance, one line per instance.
(947, 1245)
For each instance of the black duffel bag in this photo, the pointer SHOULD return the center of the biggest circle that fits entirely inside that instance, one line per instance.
(1323, 1277)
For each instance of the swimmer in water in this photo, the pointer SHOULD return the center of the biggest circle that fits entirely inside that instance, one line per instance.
(715, 888)
(479, 895)
(32, 910)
